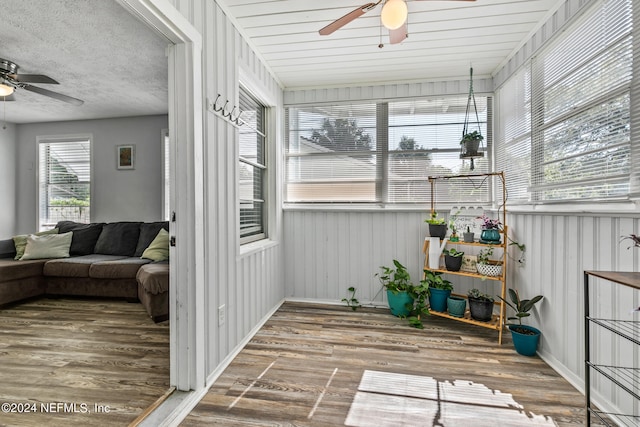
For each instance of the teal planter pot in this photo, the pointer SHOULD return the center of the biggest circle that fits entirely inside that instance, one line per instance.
(456, 306)
(438, 299)
(398, 303)
(525, 345)
(490, 235)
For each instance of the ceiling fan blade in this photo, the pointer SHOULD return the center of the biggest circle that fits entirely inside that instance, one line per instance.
(341, 22)
(33, 78)
(398, 35)
(51, 94)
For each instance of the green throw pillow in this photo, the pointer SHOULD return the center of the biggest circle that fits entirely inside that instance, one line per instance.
(48, 246)
(158, 250)
(21, 241)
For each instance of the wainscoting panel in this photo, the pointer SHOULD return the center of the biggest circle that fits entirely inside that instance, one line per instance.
(328, 251)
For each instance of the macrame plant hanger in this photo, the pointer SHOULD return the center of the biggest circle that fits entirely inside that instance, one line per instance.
(471, 142)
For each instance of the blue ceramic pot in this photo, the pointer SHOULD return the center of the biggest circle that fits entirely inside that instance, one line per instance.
(490, 235)
(438, 299)
(525, 345)
(398, 303)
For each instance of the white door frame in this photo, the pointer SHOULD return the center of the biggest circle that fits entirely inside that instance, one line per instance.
(186, 293)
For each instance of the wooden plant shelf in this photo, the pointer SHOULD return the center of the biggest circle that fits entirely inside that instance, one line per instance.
(498, 320)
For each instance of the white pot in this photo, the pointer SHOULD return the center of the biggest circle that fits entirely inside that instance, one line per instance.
(492, 270)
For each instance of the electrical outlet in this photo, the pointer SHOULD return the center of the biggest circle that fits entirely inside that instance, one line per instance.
(209, 104)
(222, 314)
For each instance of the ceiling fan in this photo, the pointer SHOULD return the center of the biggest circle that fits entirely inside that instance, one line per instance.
(393, 16)
(11, 80)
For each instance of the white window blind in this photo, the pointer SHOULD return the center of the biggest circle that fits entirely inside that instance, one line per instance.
(64, 181)
(252, 170)
(380, 153)
(580, 113)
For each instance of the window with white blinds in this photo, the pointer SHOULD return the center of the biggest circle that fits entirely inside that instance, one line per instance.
(64, 180)
(569, 113)
(253, 169)
(380, 152)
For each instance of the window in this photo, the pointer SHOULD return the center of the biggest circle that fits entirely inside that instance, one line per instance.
(380, 153)
(252, 169)
(564, 120)
(64, 180)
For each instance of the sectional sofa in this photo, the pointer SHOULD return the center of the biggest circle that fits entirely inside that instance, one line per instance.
(118, 259)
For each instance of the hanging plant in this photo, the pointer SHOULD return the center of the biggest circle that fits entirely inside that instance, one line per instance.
(470, 142)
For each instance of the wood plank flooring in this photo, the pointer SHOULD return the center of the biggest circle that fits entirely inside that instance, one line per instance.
(66, 356)
(318, 365)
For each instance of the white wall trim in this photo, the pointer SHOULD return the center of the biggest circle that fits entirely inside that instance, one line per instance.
(187, 333)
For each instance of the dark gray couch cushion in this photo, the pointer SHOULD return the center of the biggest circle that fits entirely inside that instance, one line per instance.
(148, 232)
(85, 236)
(7, 248)
(118, 238)
(125, 268)
(78, 266)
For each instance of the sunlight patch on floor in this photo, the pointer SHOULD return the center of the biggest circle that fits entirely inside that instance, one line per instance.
(390, 399)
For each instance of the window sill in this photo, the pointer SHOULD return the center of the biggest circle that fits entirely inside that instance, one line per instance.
(257, 246)
(621, 208)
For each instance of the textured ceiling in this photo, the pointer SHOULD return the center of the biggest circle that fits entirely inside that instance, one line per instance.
(95, 49)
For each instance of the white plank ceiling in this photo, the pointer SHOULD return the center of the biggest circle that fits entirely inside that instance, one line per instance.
(445, 39)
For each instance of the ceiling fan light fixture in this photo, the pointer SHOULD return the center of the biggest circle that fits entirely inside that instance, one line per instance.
(394, 14)
(5, 90)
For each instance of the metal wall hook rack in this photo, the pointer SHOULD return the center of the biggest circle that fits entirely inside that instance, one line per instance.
(229, 115)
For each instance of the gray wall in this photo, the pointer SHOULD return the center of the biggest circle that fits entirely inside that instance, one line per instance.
(117, 195)
(8, 181)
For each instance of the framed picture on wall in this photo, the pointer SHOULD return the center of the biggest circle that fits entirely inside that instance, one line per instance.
(125, 156)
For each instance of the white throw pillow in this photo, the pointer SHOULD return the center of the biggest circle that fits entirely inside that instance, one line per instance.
(48, 246)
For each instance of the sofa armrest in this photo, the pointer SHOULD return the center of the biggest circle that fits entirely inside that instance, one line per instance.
(7, 248)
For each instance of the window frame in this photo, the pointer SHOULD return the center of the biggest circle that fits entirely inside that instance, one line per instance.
(384, 154)
(49, 139)
(264, 169)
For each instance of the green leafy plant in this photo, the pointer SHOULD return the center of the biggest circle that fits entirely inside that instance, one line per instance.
(395, 279)
(351, 299)
(476, 294)
(453, 252)
(521, 307)
(472, 136)
(434, 279)
(484, 256)
(420, 309)
(434, 220)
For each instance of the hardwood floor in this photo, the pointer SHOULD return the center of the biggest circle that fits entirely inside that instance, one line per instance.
(66, 362)
(317, 365)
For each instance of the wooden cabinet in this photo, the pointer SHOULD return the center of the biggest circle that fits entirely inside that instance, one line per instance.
(497, 321)
(625, 378)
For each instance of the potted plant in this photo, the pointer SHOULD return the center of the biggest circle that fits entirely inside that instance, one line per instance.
(480, 305)
(397, 281)
(456, 306)
(437, 226)
(439, 290)
(471, 142)
(490, 230)
(486, 266)
(525, 338)
(453, 259)
(468, 236)
(454, 231)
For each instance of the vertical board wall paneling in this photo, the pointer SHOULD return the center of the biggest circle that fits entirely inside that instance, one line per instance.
(248, 285)
(559, 247)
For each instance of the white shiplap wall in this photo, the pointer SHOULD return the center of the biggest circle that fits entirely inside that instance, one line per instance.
(328, 251)
(250, 284)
